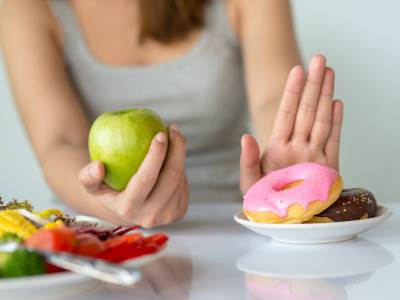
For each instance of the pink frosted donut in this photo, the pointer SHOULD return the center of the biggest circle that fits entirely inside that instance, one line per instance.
(292, 195)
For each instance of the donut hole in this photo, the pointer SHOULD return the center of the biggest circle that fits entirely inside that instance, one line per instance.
(292, 185)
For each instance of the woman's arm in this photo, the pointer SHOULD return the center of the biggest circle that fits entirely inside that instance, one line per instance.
(58, 129)
(269, 50)
(53, 118)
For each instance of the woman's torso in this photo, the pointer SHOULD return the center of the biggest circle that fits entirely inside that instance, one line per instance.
(201, 91)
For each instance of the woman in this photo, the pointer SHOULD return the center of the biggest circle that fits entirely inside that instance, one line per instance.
(199, 64)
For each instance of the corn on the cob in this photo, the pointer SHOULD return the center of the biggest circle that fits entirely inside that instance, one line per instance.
(12, 221)
(50, 212)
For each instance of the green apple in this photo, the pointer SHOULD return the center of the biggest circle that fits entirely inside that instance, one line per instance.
(121, 139)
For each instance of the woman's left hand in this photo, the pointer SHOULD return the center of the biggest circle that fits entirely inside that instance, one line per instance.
(307, 126)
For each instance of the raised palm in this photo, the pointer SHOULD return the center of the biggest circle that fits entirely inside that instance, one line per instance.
(307, 126)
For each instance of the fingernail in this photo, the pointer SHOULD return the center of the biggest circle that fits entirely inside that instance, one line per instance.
(295, 69)
(93, 170)
(161, 137)
(319, 58)
(242, 139)
(174, 127)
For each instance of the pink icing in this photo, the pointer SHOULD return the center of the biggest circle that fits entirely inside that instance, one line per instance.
(267, 194)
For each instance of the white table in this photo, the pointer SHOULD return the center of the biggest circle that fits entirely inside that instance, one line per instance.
(208, 249)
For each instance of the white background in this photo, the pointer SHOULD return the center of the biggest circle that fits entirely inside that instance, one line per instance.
(361, 41)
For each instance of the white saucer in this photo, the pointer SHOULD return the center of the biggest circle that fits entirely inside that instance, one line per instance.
(314, 232)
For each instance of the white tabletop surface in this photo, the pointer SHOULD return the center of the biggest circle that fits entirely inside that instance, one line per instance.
(212, 257)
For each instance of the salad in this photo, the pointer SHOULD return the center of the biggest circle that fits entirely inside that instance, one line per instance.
(52, 230)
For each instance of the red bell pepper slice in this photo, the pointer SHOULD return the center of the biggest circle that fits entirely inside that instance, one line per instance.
(125, 239)
(88, 245)
(132, 246)
(158, 238)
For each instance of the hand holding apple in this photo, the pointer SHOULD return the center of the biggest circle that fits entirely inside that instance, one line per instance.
(156, 194)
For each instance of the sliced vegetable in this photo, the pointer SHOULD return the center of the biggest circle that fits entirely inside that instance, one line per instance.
(88, 245)
(12, 221)
(100, 233)
(53, 269)
(127, 251)
(120, 230)
(50, 212)
(21, 262)
(158, 238)
(132, 246)
(125, 239)
(15, 204)
(56, 239)
(33, 218)
(104, 234)
(55, 224)
(9, 237)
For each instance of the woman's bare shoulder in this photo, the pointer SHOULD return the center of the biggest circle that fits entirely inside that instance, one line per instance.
(26, 17)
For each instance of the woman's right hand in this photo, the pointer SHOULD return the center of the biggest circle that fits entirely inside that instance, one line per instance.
(156, 195)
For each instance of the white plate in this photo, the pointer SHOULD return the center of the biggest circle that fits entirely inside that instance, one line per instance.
(43, 287)
(65, 284)
(314, 233)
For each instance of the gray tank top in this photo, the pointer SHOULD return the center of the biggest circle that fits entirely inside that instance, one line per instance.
(202, 92)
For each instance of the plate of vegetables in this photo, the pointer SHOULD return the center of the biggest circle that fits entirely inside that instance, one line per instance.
(26, 273)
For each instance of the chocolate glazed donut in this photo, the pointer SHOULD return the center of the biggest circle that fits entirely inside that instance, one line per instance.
(353, 204)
